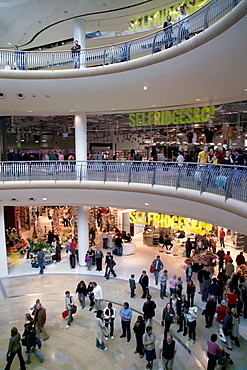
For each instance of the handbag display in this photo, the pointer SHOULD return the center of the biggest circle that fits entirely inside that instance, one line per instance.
(64, 314)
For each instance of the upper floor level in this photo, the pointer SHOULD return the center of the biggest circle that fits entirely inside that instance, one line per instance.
(216, 194)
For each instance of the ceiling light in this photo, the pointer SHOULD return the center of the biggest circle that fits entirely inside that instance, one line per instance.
(71, 110)
(36, 141)
(145, 87)
(198, 99)
(39, 21)
(22, 140)
(44, 198)
(245, 89)
(146, 204)
(112, 108)
(29, 111)
(9, 43)
(154, 105)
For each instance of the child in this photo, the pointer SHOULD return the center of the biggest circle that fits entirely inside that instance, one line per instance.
(132, 286)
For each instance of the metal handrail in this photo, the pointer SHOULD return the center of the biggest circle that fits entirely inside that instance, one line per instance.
(119, 52)
(226, 180)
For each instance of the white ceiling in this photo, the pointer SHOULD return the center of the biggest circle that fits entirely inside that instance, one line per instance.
(21, 20)
(214, 71)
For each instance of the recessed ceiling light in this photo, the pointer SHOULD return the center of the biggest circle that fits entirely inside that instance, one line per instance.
(22, 140)
(146, 204)
(65, 11)
(198, 99)
(154, 105)
(145, 87)
(29, 111)
(71, 110)
(47, 96)
(44, 198)
(112, 108)
(9, 43)
(245, 89)
(39, 21)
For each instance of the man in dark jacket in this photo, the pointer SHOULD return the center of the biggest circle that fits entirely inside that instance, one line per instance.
(30, 339)
(184, 304)
(210, 311)
(149, 310)
(240, 259)
(144, 282)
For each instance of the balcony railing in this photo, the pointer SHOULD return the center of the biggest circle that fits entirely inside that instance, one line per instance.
(120, 52)
(224, 180)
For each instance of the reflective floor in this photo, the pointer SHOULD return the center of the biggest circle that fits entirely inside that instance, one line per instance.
(74, 348)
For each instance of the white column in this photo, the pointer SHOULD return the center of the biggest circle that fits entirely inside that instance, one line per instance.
(81, 136)
(82, 223)
(80, 35)
(3, 253)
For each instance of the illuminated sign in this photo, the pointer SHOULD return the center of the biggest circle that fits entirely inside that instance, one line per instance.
(157, 18)
(169, 117)
(166, 221)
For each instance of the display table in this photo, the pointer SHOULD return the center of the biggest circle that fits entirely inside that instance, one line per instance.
(151, 240)
(128, 248)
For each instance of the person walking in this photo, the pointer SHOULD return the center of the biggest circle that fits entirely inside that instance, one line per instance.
(14, 349)
(163, 284)
(132, 284)
(81, 289)
(111, 264)
(139, 330)
(167, 318)
(209, 311)
(188, 247)
(191, 289)
(149, 346)
(167, 352)
(144, 282)
(98, 296)
(227, 328)
(173, 283)
(107, 257)
(98, 259)
(109, 316)
(39, 321)
(189, 272)
(40, 258)
(101, 330)
(182, 322)
(190, 316)
(221, 311)
(69, 303)
(105, 239)
(126, 316)
(30, 340)
(90, 295)
(222, 237)
(212, 352)
(157, 265)
(149, 310)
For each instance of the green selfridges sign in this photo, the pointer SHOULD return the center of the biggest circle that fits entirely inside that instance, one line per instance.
(157, 18)
(172, 117)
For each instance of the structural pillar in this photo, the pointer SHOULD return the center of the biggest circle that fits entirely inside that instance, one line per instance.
(81, 155)
(80, 35)
(82, 226)
(3, 253)
(3, 139)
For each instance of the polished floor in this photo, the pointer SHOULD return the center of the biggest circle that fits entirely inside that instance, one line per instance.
(75, 348)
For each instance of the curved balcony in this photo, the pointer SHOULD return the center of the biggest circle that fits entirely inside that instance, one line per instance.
(153, 43)
(223, 180)
(215, 194)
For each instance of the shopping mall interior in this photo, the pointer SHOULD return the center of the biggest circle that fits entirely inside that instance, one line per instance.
(157, 103)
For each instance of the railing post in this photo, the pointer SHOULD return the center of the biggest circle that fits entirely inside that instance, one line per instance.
(130, 173)
(104, 171)
(178, 177)
(80, 177)
(154, 174)
(53, 58)
(229, 185)
(234, 3)
(203, 179)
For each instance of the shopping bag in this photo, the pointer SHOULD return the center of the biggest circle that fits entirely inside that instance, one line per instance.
(64, 314)
(151, 269)
(73, 309)
(221, 181)
(198, 175)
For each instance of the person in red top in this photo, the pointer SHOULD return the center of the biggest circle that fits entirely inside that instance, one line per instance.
(227, 257)
(221, 311)
(217, 154)
(222, 237)
(72, 246)
(232, 298)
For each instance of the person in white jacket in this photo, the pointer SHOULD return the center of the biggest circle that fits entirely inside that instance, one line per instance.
(190, 316)
(109, 316)
(97, 292)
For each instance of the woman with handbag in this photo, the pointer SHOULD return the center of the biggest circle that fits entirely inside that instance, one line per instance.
(14, 348)
(167, 318)
(82, 293)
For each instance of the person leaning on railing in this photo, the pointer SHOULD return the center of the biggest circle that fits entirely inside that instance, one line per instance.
(167, 27)
(185, 24)
(76, 54)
